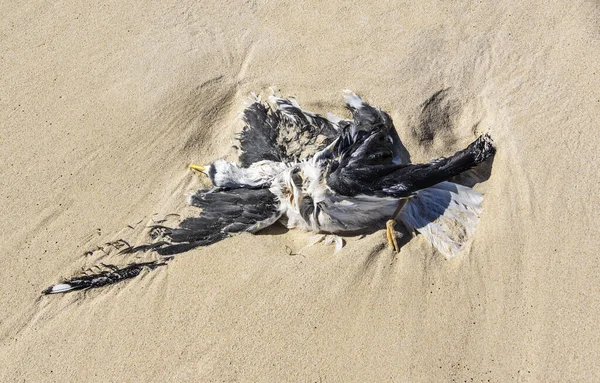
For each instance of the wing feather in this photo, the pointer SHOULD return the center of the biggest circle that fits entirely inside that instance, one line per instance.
(283, 133)
(354, 175)
(224, 213)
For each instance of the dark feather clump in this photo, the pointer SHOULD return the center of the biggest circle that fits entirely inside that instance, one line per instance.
(372, 120)
(259, 135)
(287, 134)
(355, 175)
(224, 212)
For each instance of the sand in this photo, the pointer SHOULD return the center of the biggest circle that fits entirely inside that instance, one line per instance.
(103, 106)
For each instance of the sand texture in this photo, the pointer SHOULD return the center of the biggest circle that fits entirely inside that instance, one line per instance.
(104, 104)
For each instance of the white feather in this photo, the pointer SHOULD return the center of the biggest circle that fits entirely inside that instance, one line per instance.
(230, 175)
(332, 238)
(314, 239)
(352, 100)
(327, 239)
(60, 288)
(446, 214)
(339, 243)
(334, 119)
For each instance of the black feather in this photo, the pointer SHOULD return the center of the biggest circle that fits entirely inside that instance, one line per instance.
(224, 212)
(370, 120)
(355, 175)
(258, 138)
(112, 275)
(287, 134)
(306, 121)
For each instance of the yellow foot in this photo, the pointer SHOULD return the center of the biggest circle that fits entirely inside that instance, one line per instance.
(391, 235)
(198, 168)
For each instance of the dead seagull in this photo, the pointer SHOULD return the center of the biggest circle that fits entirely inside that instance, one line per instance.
(326, 175)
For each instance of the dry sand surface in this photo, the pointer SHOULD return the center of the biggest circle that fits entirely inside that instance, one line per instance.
(103, 105)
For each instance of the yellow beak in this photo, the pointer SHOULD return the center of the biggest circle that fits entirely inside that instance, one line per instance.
(199, 168)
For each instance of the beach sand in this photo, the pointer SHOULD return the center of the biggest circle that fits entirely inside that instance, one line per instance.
(103, 106)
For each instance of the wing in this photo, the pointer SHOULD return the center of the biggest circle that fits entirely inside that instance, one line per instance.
(224, 213)
(284, 134)
(446, 214)
(258, 139)
(289, 133)
(356, 175)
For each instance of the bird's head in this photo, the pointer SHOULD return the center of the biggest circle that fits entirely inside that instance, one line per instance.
(220, 172)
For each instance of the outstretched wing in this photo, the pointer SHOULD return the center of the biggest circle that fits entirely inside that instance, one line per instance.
(286, 133)
(355, 175)
(224, 213)
(446, 214)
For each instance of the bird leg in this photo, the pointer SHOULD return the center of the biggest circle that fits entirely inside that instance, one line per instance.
(389, 225)
(391, 235)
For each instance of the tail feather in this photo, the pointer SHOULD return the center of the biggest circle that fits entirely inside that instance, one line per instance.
(446, 214)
